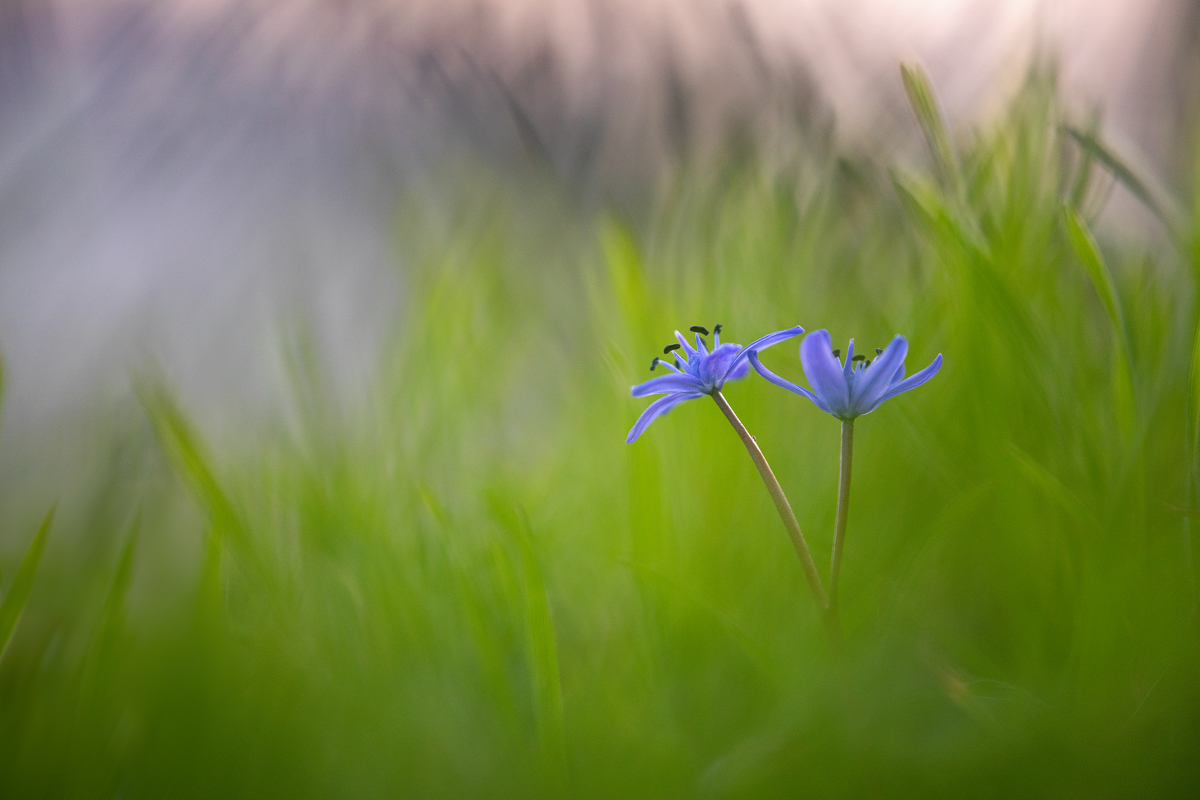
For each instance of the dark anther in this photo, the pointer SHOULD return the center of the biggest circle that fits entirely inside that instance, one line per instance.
(866, 364)
(669, 348)
(699, 329)
(859, 357)
(878, 351)
(653, 364)
(837, 353)
(717, 328)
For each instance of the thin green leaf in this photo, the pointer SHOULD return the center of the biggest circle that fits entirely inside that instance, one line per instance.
(1052, 488)
(1093, 147)
(1194, 409)
(189, 457)
(18, 593)
(185, 451)
(543, 647)
(114, 602)
(625, 270)
(1087, 251)
(924, 106)
(1090, 256)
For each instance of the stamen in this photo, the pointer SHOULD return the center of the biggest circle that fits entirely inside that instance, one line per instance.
(837, 353)
(653, 364)
(717, 328)
(859, 357)
(866, 365)
(699, 329)
(669, 348)
(878, 351)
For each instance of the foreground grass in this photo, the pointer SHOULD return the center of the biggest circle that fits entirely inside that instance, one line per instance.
(470, 586)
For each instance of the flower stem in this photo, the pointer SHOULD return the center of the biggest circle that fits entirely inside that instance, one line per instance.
(843, 511)
(781, 503)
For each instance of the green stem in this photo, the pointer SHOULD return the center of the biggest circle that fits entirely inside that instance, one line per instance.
(843, 511)
(781, 503)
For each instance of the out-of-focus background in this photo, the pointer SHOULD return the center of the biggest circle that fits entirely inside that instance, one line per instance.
(318, 320)
(176, 176)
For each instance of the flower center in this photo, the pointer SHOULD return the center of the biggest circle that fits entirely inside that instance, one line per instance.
(700, 329)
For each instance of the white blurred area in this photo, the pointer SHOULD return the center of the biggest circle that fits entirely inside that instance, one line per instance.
(181, 179)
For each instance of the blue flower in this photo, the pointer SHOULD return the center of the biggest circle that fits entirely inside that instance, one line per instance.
(857, 387)
(698, 371)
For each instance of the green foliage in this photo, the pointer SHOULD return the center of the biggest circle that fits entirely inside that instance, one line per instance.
(18, 593)
(468, 585)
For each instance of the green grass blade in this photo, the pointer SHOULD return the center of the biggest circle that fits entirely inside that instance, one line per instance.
(99, 665)
(1090, 256)
(924, 105)
(626, 271)
(183, 447)
(18, 593)
(1194, 410)
(114, 602)
(1088, 252)
(189, 457)
(543, 647)
(1052, 488)
(1097, 150)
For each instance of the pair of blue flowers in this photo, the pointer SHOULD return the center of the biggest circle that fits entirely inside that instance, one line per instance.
(846, 389)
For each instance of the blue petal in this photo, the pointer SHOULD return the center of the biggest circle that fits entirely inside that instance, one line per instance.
(871, 382)
(824, 372)
(737, 373)
(849, 364)
(668, 383)
(700, 348)
(669, 365)
(913, 381)
(714, 370)
(762, 343)
(655, 410)
(784, 383)
(687, 348)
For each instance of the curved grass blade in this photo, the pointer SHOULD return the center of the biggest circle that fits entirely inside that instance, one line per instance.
(924, 105)
(543, 646)
(1093, 147)
(189, 457)
(18, 593)
(1087, 251)
(114, 602)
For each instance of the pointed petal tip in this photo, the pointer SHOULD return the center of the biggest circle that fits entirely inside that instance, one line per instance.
(668, 384)
(913, 381)
(763, 342)
(655, 410)
(783, 383)
(687, 347)
(872, 384)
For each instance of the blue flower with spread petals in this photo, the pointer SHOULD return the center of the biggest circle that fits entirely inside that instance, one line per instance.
(856, 387)
(698, 372)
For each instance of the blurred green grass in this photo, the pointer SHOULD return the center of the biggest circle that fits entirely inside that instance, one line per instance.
(468, 585)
